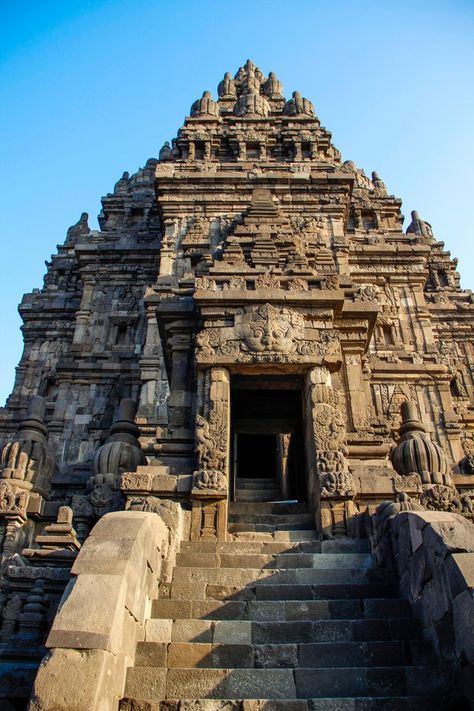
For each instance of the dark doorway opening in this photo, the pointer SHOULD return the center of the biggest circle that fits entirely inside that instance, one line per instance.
(256, 455)
(267, 434)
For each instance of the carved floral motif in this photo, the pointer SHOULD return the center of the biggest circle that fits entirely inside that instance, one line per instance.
(267, 281)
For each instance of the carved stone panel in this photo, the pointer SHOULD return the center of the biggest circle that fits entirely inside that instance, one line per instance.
(266, 333)
(329, 475)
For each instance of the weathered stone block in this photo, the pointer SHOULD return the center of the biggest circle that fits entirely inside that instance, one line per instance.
(91, 615)
(158, 630)
(463, 623)
(146, 683)
(75, 680)
(232, 632)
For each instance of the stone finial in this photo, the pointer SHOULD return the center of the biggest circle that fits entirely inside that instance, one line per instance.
(226, 88)
(166, 152)
(121, 451)
(205, 106)
(298, 106)
(379, 185)
(251, 79)
(273, 88)
(416, 453)
(78, 230)
(122, 185)
(418, 226)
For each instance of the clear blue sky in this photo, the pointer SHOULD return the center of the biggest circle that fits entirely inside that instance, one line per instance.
(92, 88)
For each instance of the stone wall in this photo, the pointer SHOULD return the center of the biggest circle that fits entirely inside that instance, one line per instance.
(432, 552)
(103, 613)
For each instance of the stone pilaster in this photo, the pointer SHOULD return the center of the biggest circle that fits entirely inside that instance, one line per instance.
(210, 490)
(330, 483)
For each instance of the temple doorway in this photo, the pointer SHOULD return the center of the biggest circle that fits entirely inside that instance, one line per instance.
(268, 461)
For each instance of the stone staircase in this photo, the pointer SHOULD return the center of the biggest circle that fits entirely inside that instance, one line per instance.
(276, 619)
(257, 489)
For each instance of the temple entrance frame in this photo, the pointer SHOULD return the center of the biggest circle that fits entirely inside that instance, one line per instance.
(326, 469)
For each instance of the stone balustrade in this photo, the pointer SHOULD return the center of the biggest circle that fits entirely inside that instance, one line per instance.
(102, 613)
(432, 552)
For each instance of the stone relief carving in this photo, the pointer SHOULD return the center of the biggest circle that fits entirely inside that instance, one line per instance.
(267, 333)
(367, 292)
(329, 436)
(267, 281)
(212, 436)
(12, 500)
(270, 328)
(297, 285)
(210, 480)
(211, 441)
(445, 498)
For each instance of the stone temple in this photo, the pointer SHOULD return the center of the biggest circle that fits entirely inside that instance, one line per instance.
(240, 445)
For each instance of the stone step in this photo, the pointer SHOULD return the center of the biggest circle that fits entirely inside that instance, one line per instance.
(289, 536)
(270, 528)
(268, 507)
(361, 703)
(336, 545)
(262, 496)
(272, 560)
(284, 656)
(156, 684)
(278, 519)
(275, 576)
(262, 483)
(291, 632)
(280, 610)
(238, 547)
(340, 591)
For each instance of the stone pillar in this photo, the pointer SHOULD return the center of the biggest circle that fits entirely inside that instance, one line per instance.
(210, 492)
(330, 484)
(358, 406)
(283, 448)
(179, 401)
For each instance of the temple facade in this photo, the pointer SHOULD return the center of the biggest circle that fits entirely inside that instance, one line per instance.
(251, 323)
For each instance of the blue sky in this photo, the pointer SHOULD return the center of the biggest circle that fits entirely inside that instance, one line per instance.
(90, 89)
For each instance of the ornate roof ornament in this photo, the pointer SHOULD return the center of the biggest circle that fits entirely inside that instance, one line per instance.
(416, 453)
(226, 89)
(121, 451)
(79, 230)
(166, 152)
(252, 104)
(298, 106)
(273, 88)
(205, 106)
(419, 227)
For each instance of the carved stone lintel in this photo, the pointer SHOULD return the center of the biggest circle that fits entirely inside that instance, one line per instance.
(266, 334)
